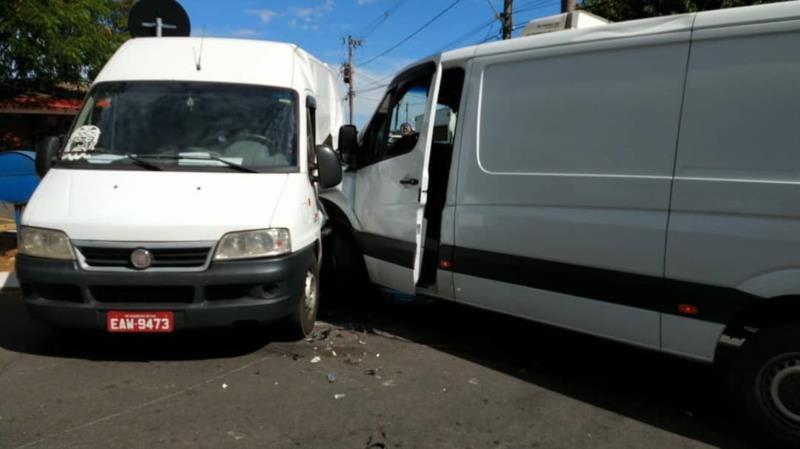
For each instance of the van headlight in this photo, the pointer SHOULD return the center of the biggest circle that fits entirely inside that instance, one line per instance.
(252, 244)
(45, 243)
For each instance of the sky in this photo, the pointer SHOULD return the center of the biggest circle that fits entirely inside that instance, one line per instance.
(318, 26)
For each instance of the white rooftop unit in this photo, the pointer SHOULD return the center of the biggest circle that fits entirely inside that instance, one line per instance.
(563, 21)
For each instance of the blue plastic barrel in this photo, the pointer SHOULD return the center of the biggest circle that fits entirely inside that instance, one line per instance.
(18, 178)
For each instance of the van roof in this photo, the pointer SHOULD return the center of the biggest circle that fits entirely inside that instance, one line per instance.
(242, 61)
(657, 25)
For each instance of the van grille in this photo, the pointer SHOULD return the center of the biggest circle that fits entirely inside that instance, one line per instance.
(162, 257)
(142, 294)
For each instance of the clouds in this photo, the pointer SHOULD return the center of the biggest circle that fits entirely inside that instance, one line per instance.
(301, 17)
(244, 32)
(266, 15)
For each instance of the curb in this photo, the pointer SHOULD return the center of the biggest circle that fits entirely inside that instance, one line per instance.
(8, 281)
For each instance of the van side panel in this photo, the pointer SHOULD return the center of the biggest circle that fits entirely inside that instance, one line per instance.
(569, 168)
(735, 218)
(573, 155)
(580, 314)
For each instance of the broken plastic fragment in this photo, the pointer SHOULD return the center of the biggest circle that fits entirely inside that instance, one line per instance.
(316, 359)
(338, 396)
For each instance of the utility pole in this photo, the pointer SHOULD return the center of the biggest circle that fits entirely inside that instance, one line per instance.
(347, 71)
(567, 5)
(506, 18)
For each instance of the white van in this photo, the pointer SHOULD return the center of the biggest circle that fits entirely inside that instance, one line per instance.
(186, 194)
(638, 181)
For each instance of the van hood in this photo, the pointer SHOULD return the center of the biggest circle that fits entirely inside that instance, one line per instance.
(152, 206)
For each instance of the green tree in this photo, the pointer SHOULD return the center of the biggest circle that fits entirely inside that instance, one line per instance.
(44, 43)
(619, 10)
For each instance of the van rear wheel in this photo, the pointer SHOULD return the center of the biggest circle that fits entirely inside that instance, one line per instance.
(765, 380)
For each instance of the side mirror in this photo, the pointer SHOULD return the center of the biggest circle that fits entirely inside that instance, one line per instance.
(329, 167)
(46, 153)
(348, 143)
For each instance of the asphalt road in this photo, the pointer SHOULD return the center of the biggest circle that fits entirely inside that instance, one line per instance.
(416, 374)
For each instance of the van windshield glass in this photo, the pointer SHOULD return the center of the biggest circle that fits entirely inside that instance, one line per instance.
(186, 125)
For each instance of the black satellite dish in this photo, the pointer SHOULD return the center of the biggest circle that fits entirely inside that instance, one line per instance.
(149, 18)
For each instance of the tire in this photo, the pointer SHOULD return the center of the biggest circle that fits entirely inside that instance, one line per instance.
(300, 323)
(765, 383)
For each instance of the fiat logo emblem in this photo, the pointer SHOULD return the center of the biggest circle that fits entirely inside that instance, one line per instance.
(141, 258)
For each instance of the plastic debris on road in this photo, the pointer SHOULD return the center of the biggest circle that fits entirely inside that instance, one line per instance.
(331, 377)
(236, 435)
(316, 359)
(338, 396)
(319, 336)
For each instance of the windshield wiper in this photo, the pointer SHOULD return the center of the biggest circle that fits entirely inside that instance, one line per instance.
(143, 163)
(233, 165)
(132, 157)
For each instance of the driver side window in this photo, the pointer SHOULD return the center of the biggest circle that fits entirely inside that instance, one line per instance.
(394, 129)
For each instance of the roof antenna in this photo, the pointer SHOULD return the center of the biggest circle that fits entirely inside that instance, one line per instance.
(198, 57)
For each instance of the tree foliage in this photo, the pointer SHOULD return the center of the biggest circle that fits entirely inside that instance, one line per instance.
(50, 42)
(619, 10)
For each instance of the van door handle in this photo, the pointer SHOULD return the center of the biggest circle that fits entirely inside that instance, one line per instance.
(409, 181)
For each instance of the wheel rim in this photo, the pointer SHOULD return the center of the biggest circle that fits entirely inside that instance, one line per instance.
(780, 387)
(310, 294)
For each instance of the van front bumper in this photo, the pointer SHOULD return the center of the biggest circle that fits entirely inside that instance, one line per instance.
(260, 290)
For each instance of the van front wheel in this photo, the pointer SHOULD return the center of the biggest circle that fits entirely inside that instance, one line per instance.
(766, 381)
(301, 321)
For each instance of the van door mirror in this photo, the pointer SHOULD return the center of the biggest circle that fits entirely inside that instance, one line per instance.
(46, 153)
(348, 143)
(329, 167)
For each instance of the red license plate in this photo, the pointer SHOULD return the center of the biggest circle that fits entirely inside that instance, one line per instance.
(150, 322)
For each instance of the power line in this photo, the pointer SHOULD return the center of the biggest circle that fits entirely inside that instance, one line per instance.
(371, 80)
(407, 38)
(496, 13)
(378, 21)
(370, 89)
(523, 23)
(467, 35)
(489, 39)
(530, 6)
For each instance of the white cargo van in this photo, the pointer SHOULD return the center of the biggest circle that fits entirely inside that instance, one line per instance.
(638, 181)
(186, 194)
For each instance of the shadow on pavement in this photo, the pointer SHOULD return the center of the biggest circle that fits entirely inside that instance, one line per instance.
(673, 394)
(19, 333)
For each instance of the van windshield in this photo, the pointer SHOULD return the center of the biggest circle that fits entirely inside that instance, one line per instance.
(185, 126)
